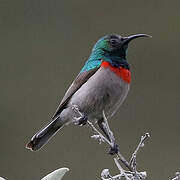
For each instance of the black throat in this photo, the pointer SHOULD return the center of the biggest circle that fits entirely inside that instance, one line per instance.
(117, 60)
(121, 63)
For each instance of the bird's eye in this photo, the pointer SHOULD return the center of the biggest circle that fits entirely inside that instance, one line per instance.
(114, 42)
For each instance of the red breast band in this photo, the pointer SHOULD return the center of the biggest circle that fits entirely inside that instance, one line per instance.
(124, 73)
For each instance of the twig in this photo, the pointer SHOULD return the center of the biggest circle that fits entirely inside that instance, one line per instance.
(132, 161)
(133, 173)
(131, 165)
(102, 138)
(122, 172)
(120, 156)
(124, 161)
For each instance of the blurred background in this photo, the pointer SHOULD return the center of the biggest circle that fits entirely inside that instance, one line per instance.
(44, 44)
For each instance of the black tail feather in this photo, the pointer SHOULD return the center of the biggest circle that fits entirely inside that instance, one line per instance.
(44, 135)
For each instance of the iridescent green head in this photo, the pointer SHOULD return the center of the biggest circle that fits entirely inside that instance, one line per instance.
(115, 45)
(111, 48)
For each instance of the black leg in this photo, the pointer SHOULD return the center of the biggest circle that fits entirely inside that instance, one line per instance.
(109, 135)
(101, 125)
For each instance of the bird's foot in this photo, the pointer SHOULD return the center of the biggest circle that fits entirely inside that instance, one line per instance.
(114, 149)
(98, 137)
(81, 121)
(81, 118)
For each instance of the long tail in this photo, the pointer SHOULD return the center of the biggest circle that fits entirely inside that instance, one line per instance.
(44, 135)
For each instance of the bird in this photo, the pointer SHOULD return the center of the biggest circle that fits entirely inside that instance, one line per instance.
(101, 86)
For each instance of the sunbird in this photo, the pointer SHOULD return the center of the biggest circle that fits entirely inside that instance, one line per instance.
(101, 86)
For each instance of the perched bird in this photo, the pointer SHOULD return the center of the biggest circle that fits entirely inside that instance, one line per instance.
(101, 86)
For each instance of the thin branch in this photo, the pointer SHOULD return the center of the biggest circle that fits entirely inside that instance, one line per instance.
(133, 173)
(132, 161)
(101, 138)
(131, 165)
(122, 172)
(124, 161)
(120, 156)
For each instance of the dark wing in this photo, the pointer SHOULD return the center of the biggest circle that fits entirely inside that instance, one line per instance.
(77, 83)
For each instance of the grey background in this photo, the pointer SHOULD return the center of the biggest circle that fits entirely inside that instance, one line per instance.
(43, 46)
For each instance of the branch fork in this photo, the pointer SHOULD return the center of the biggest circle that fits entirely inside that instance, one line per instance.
(132, 174)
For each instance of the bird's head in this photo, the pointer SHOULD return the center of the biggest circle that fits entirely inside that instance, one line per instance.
(115, 45)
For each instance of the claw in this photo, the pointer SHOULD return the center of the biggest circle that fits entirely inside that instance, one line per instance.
(82, 121)
(114, 150)
(98, 137)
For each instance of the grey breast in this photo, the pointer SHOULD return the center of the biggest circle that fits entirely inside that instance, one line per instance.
(103, 91)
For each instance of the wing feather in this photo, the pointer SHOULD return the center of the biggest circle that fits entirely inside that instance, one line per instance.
(77, 83)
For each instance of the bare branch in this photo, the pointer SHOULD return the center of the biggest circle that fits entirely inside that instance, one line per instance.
(131, 165)
(133, 173)
(99, 136)
(122, 172)
(102, 138)
(132, 161)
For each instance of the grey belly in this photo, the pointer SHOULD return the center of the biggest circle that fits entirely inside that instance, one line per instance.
(103, 91)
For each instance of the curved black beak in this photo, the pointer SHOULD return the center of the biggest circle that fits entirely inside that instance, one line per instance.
(130, 38)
